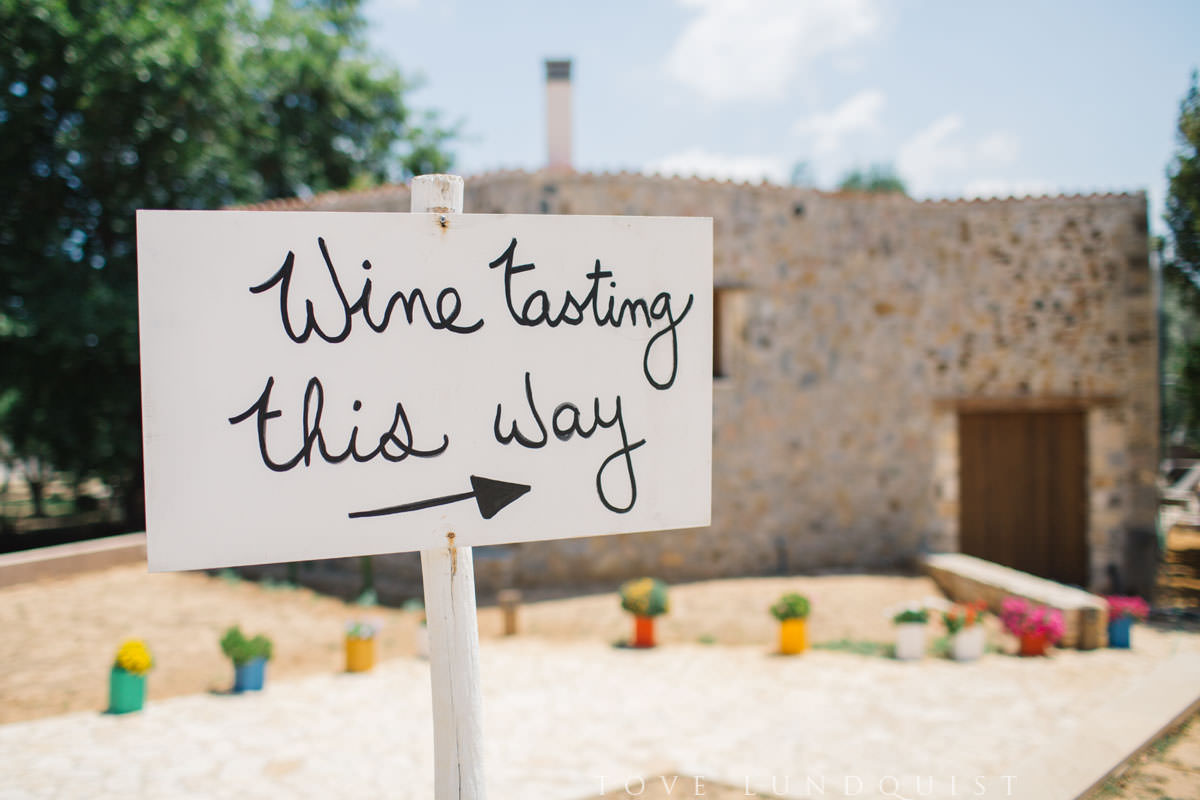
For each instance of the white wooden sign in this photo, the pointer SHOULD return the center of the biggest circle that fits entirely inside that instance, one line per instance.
(318, 385)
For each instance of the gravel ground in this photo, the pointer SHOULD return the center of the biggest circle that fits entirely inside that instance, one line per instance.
(560, 716)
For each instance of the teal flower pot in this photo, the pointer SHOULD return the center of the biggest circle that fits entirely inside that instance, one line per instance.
(249, 677)
(1118, 632)
(126, 691)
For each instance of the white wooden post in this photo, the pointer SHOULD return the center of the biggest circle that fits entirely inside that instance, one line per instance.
(448, 574)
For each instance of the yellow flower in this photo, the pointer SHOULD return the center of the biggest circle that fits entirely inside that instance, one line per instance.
(135, 657)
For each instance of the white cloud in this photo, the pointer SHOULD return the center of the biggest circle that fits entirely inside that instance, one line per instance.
(753, 49)
(1009, 187)
(934, 160)
(701, 163)
(931, 152)
(859, 114)
(999, 147)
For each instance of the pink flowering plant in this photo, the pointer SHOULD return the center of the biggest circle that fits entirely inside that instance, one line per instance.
(1023, 618)
(1121, 607)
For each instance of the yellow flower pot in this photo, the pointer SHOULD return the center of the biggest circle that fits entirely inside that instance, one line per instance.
(793, 636)
(360, 654)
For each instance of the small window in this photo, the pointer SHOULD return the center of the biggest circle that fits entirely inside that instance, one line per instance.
(728, 323)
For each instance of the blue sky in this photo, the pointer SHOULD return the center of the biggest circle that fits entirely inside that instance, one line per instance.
(963, 98)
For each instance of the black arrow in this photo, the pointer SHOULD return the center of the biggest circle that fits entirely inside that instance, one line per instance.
(490, 495)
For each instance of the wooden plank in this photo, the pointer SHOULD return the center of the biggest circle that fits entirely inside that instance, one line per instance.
(1073, 504)
(1040, 451)
(969, 496)
(981, 405)
(448, 575)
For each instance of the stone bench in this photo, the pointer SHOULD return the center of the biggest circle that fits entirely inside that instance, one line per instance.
(967, 579)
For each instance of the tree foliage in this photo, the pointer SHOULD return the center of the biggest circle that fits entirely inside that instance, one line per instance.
(802, 174)
(107, 106)
(1183, 190)
(875, 178)
(1181, 280)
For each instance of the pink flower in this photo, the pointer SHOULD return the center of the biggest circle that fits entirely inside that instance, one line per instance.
(1022, 618)
(1120, 607)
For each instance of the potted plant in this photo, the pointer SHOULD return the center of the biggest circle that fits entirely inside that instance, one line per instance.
(964, 623)
(1122, 611)
(645, 598)
(1037, 627)
(792, 610)
(127, 678)
(910, 633)
(360, 645)
(249, 657)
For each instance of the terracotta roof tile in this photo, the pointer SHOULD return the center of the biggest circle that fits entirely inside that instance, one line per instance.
(332, 200)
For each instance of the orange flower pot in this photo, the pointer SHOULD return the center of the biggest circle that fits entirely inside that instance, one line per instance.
(793, 636)
(1033, 644)
(360, 654)
(643, 631)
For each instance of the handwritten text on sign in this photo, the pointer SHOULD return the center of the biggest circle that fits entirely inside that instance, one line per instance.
(332, 384)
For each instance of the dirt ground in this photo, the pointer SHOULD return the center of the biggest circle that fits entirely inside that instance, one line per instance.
(59, 637)
(1169, 769)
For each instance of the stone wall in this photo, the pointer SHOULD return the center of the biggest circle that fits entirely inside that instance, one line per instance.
(856, 325)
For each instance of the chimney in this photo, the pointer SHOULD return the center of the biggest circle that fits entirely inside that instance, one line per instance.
(558, 115)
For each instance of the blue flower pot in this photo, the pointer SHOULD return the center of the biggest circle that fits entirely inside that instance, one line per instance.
(1118, 632)
(249, 677)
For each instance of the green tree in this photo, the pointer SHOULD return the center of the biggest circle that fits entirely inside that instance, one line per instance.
(107, 107)
(875, 178)
(1181, 280)
(802, 174)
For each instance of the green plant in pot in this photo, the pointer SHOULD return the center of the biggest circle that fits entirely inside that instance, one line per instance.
(645, 598)
(792, 610)
(910, 632)
(964, 623)
(127, 678)
(249, 657)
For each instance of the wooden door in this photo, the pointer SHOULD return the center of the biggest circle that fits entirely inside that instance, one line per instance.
(1022, 484)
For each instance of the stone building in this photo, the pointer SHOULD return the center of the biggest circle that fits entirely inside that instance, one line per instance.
(891, 377)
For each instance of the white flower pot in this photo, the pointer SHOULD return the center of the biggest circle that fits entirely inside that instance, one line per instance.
(967, 644)
(421, 639)
(910, 641)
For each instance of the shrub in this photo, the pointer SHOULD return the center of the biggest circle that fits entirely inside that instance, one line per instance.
(790, 606)
(644, 597)
(919, 614)
(241, 650)
(362, 629)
